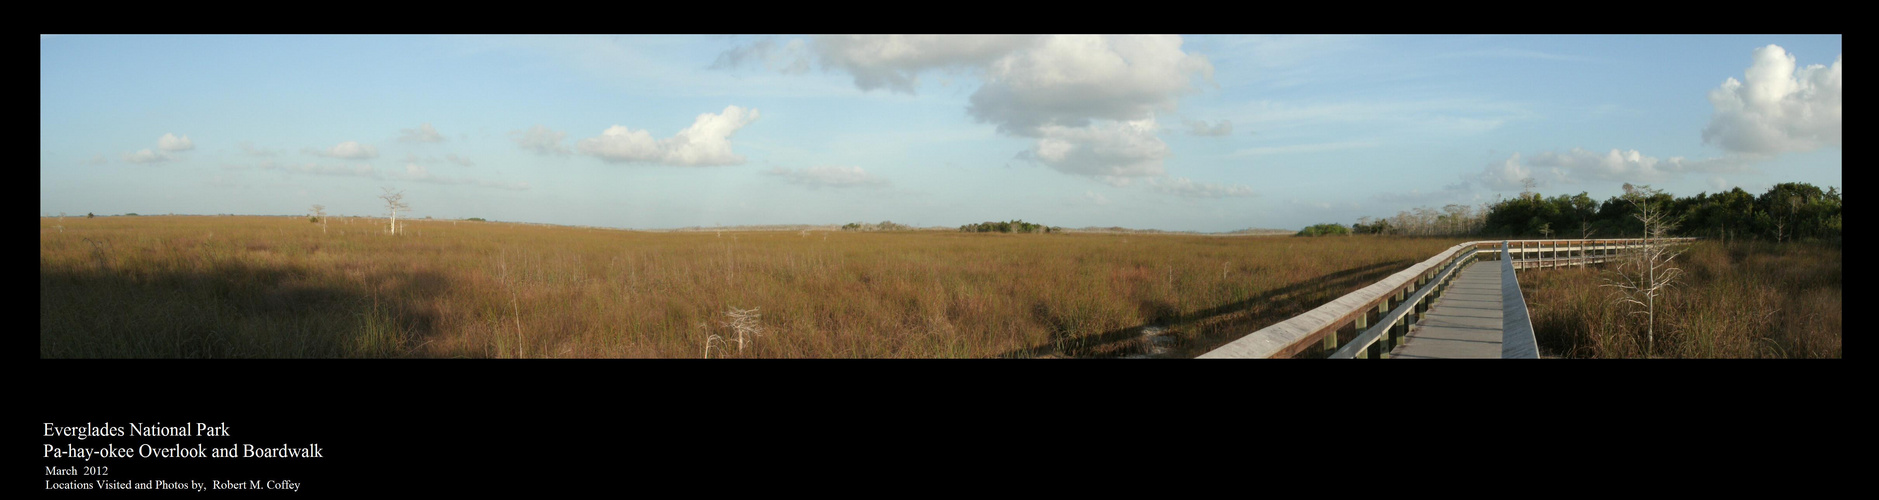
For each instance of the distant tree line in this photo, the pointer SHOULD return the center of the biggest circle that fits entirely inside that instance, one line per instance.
(1015, 226)
(883, 226)
(1451, 220)
(1788, 211)
(1325, 230)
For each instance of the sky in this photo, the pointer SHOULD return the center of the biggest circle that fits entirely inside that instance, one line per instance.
(1208, 133)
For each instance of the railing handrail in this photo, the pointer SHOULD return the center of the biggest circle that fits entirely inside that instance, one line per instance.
(1388, 321)
(1298, 333)
(1517, 339)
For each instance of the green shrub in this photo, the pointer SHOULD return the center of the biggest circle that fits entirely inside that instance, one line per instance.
(1324, 230)
(1015, 226)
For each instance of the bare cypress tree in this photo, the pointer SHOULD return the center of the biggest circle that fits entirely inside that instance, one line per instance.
(319, 214)
(394, 201)
(1647, 272)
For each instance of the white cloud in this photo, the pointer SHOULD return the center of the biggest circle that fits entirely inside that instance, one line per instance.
(829, 176)
(97, 160)
(1113, 150)
(349, 150)
(1095, 198)
(1778, 108)
(541, 139)
(145, 156)
(1513, 174)
(1090, 101)
(705, 143)
(424, 133)
(1222, 128)
(1548, 168)
(1187, 188)
(453, 158)
(1070, 80)
(170, 142)
(895, 61)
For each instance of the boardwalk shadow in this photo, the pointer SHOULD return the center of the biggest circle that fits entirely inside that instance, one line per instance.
(1112, 343)
(234, 310)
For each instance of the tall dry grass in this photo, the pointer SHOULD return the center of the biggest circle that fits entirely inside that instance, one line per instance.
(278, 287)
(1743, 300)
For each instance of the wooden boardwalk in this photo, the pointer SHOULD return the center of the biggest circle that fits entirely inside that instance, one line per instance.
(1462, 303)
(1465, 323)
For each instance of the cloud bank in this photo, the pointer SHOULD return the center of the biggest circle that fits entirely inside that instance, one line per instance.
(1579, 165)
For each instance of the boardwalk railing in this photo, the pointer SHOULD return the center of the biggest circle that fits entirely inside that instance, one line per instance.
(1383, 312)
(1517, 339)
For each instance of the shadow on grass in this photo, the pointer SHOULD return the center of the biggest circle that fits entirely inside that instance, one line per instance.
(1114, 343)
(233, 310)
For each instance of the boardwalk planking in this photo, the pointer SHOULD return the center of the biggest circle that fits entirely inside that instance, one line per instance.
(1465, 323)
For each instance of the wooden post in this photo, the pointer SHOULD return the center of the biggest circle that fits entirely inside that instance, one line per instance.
(1396, 336)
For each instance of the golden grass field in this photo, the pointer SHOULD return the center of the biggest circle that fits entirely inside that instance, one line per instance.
(278, 287)
(1741, 300)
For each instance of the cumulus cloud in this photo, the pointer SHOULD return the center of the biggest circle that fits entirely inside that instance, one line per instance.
(705, 143)
(170, 142)
(1188, 188)
(349, 150)
(453, 158)
(541, 139)
(1777, 108)
(1201, 128)
(416, 172)
(829, 176)
(1089, 101)
(145, 156)
(1548, 168)
(1070, 80)
(1113, 151)
(424, 133)
(894, 62)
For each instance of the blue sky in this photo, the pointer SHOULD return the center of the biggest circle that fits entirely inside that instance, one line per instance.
(1200, 133)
